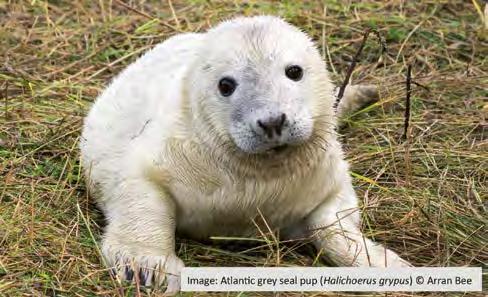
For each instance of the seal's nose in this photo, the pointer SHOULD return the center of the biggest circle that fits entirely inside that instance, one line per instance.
(272, 125)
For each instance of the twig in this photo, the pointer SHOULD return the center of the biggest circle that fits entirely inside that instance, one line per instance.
(381, 40)
(352, 66)
(6, 100)
(421, 85)
(355, 60)
(407, 101)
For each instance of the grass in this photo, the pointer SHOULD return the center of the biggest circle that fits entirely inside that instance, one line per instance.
(425, 197)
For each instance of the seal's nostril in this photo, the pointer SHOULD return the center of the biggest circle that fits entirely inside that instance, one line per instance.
(266, 127)
(272, 125)
(283, 119)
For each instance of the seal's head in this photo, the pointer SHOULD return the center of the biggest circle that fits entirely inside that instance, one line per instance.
(261, 84)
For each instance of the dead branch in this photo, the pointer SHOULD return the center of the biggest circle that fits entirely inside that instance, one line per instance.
(408, 83)
(355, 60)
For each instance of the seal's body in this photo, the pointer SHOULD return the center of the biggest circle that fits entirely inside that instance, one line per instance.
(210, 134)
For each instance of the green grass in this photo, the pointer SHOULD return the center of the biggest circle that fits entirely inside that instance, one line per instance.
(426, 198)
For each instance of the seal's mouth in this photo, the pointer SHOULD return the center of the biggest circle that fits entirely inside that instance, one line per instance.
(279, 149)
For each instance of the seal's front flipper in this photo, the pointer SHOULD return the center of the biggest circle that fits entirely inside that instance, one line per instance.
(355, 97)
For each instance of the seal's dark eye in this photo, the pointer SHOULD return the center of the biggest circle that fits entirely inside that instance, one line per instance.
(227, 86)
(294, 72)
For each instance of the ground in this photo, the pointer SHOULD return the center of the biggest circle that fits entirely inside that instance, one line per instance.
(424, 197)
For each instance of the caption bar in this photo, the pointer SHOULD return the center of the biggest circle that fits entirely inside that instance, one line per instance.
(307, 279)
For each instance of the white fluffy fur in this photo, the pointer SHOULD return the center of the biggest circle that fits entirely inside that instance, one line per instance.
(158, 155)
